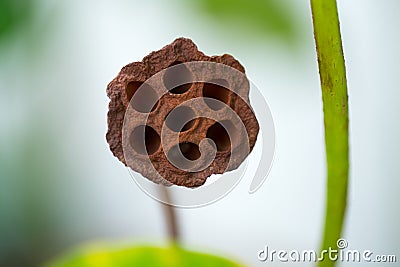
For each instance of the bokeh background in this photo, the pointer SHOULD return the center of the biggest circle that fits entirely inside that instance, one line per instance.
(60, 186)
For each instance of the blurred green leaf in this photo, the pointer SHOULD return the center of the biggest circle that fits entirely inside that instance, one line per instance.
(14, 14)
(99, 256)
(265, 17)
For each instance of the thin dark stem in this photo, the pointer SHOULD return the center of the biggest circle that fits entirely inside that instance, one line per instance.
(170, 216)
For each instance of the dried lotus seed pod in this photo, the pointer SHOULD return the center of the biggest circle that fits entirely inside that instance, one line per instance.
(161, 109)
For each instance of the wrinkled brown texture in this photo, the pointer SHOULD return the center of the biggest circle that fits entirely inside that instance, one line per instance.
(180, 51)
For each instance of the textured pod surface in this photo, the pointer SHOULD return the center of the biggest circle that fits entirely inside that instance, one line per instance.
(149, 148)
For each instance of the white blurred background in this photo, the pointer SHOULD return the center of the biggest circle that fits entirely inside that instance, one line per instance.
(61, 186)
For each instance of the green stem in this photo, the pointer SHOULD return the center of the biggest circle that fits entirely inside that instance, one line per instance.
(335, 105)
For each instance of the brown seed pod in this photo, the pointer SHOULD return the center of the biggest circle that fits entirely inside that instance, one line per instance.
(150, 150)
